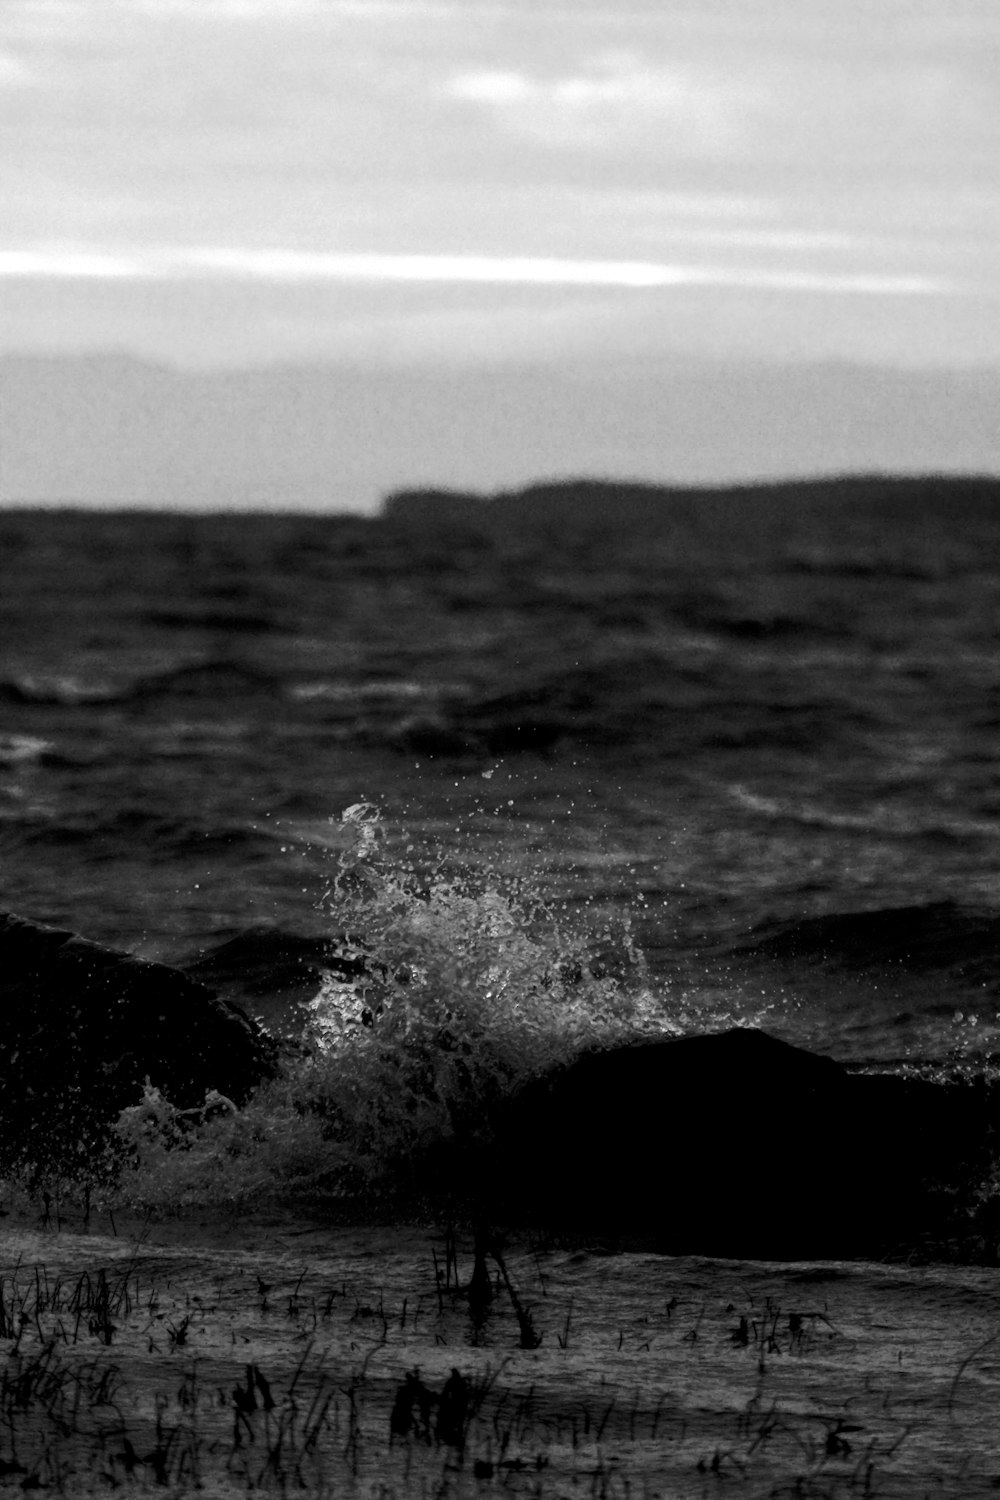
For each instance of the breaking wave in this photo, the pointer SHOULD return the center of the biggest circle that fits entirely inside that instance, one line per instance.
(442, 995)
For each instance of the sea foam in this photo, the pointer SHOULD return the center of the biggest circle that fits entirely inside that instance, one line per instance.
(454, 990)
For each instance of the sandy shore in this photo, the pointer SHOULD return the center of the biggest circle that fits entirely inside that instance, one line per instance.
(226, 1357)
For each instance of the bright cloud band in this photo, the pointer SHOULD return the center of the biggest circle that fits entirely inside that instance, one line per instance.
(305, 266)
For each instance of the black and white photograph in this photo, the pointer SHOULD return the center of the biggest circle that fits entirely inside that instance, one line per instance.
(500, 749)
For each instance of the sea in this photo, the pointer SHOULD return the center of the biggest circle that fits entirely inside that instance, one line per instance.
(443, 803)
(741, 764)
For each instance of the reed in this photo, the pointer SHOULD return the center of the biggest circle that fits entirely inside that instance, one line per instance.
(135, 1375)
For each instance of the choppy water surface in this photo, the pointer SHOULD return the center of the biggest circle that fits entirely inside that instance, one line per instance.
(704, 730)
(289, 1360)
(559, 790)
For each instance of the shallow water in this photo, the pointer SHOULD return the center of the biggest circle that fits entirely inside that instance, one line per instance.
(652, 1376)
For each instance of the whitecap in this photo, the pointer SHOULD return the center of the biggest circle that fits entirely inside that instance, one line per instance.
(20, 749)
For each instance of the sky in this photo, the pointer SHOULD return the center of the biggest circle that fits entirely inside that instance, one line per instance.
(432, 185)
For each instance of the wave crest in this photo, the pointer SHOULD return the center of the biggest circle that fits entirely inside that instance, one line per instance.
(457, 991)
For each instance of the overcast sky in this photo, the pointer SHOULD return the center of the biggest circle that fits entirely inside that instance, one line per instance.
(222, 181)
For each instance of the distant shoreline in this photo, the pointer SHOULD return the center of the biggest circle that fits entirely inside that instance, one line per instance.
(589, 501)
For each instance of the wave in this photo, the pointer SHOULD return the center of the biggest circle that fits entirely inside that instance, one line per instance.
(896, 822)
(740, 620)
(664, 689)
(231, 621)
(438, 997)
(275, 974)
(432, 1001)
(23, 749)
(635, 699)
(212, 679)
(105, 834)
(841, 562)
(929, 937)
(67, 691)
(467, 1056)
(387, 690)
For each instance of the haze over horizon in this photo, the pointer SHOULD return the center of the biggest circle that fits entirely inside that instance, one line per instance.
(505, 240)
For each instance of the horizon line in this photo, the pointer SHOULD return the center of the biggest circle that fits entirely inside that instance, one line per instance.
(811, 479)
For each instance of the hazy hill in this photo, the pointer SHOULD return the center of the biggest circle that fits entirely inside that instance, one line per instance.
(110, 429)
(575, 503)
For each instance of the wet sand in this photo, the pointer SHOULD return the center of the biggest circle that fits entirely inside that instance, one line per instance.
(228, 1356)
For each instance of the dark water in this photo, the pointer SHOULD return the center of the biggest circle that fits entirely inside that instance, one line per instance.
(718, 734)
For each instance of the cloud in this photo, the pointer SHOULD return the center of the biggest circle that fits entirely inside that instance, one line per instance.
(490, 86)
(14, 71)
(74, 265)
(795, 153)
(617, 98)
(908, 113)
(54, 15)
(305, 266)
